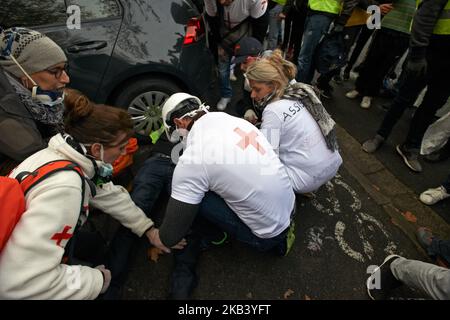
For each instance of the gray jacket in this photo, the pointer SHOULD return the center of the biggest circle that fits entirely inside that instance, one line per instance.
(20, 135)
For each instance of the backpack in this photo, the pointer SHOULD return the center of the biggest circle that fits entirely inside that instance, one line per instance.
(14, 190)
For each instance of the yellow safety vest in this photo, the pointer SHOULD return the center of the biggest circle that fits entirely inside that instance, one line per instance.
(443, 24)
(282, 2)
(331, 6)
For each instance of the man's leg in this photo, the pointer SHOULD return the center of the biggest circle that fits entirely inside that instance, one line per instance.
(431, 279)
(148, 184)
(315, 26)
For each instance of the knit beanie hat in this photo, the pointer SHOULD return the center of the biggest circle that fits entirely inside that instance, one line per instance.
(33, 50)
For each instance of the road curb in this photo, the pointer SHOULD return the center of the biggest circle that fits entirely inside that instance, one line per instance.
(396, 199)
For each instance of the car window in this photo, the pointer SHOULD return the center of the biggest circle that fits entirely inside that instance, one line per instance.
(29, 13)
(96, 9)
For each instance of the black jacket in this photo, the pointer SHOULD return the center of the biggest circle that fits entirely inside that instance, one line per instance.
(423, 24)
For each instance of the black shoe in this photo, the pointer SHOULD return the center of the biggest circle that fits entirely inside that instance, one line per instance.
(410, 157)
(382, 281)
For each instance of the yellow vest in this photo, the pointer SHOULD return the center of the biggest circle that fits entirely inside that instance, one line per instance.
(443, 23)
(331, 6)
(282, 2)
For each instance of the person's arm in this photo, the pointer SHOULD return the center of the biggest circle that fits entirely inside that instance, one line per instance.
(347, 9)
(422, 26)
(211, 8)
(116, 201)
(31, 266)
(258, 8)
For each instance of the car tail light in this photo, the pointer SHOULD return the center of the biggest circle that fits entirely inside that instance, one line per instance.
(194, 30)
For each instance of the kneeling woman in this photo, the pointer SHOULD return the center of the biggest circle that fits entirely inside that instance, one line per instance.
(31, 263)
(295, 122)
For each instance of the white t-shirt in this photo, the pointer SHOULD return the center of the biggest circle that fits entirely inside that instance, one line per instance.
(296, 136)
(238, 10)
(232, 158)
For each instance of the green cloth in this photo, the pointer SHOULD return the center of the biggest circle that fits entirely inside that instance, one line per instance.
(400, 17)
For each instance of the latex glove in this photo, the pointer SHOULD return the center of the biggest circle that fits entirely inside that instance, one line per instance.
(251, 116)
(106, 277)
(416, 67)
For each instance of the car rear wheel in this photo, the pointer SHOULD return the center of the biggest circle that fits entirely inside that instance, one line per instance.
(143, 99)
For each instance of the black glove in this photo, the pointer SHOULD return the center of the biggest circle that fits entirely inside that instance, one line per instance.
(416, 67)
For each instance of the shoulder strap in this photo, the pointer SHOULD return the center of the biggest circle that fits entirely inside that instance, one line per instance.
(28, 180)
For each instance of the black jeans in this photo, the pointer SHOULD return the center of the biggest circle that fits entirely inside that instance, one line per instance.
(438, 91)
(387, 47)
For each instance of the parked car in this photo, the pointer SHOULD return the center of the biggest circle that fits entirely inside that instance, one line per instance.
(131, 54)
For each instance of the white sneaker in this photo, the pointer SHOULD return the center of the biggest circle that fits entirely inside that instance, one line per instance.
(352, 94)
(232, 76)
(366, 102)
(434, 195)
(222, 104)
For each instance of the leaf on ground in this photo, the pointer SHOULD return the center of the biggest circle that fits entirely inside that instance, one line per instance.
(409, 216)
(376, 187)
(307, 297)
(153, 254)
(288, 293)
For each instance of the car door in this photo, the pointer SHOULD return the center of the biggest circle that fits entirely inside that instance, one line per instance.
(88, 45)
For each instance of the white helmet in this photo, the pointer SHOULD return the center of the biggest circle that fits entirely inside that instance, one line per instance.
(185, 105)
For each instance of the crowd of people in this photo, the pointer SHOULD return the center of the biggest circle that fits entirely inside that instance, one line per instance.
(233, 177)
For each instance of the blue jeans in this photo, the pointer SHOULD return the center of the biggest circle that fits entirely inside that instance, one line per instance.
(224, 74)
(214, 209)
(154, 177)
(315, 26)
(274, 27)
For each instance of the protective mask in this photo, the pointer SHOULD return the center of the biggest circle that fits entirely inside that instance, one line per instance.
(105, 170)
(47, 97)
(260, 105)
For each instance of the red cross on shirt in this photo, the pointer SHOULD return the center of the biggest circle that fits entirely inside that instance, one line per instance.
(249, 139)
(64, 235)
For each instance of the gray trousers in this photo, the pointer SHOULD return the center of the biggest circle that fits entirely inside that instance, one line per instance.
(431, 279)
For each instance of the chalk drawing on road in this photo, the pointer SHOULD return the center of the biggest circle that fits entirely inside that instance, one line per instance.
(366, 226)
(315, 238)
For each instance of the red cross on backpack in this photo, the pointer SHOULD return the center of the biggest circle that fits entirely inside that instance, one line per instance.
(13, 191)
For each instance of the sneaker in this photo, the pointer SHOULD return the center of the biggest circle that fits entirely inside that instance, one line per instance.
(366, 102)
(410, 157)
(210, 241)
(352, 94)
(372, 145)
(290, 238)
(222, 104)
(382, 280)
(434, 195)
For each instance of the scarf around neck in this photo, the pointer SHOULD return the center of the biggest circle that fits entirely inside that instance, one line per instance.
(49, 115)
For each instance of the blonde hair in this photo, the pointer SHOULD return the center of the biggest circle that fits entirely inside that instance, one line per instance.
(273, 70)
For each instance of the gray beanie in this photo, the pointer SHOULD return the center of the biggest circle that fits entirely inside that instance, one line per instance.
(34, 51)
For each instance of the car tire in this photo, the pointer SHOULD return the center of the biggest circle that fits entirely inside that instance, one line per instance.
(143, 99)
